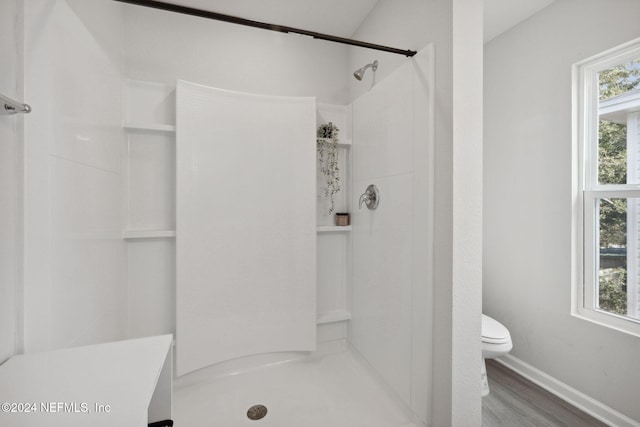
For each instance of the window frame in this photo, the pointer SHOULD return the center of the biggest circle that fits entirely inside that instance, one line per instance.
(587, 190)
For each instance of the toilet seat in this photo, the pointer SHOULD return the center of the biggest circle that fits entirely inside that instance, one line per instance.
(494, 332)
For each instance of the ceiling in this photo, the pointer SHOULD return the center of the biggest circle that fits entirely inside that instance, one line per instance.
(343, 17)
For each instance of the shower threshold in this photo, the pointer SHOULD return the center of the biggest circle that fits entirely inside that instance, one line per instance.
(333, 390)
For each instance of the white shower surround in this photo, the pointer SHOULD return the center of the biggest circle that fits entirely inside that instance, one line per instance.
(245, 234)
(392, 245)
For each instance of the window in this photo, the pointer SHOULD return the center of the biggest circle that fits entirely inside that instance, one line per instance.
(607, 188)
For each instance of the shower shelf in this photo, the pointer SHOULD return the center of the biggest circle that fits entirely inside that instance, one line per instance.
(346, 144)
(147, 234)
(332, 228)
(333, 316)
(149, 127)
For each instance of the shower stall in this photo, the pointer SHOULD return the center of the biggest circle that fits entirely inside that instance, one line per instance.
(246, 283)
(170, 185)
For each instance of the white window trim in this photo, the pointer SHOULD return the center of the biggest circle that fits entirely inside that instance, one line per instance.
(585, 188)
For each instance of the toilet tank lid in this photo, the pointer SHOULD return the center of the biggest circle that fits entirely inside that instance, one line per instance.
(493, 330)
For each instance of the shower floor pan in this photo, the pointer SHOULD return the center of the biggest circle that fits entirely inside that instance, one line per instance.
(334, 390)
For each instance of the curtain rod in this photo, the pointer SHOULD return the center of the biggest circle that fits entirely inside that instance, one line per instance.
(12, 107)
(256, 24)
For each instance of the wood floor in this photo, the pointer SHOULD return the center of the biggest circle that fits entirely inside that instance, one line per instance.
(516, 402)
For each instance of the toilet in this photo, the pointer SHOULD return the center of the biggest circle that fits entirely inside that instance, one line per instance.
(496, 342)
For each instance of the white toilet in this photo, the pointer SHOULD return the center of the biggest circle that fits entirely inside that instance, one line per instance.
(496, 342)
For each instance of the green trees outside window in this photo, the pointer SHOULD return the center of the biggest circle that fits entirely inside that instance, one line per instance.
(612, 169)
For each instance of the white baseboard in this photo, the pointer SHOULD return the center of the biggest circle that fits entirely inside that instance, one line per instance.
(569, 394)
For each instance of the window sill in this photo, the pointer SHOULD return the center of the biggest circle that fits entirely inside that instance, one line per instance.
(616, 322)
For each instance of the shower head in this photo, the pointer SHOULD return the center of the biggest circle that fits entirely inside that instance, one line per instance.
(360, 72)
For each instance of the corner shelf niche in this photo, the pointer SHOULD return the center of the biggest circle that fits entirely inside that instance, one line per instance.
(152, 127)
(334, 242)
(342, 199)
(152, 135)
(346, 144)
(333, 317)
(149, 130)
(148, 190)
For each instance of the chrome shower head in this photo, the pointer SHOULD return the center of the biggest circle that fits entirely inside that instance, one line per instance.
(360, 72)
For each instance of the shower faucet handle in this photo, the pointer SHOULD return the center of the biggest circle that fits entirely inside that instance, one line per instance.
(363, 198)
(371, 198)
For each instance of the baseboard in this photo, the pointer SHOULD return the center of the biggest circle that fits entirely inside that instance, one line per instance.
(567, 393)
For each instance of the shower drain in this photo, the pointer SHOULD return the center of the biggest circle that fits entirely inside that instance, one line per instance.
(257, 412)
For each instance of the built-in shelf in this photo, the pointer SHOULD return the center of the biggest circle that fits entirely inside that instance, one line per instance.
(147, 234)
(149, 127)
(345, 144)
(332, 228)
(333, 316)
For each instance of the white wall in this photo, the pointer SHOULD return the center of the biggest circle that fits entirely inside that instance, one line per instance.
(411, 24)
(164, 46)
(527, 209)
(11, 128)
(74, 254)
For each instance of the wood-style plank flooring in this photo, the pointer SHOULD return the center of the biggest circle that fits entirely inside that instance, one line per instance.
(516, 402)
